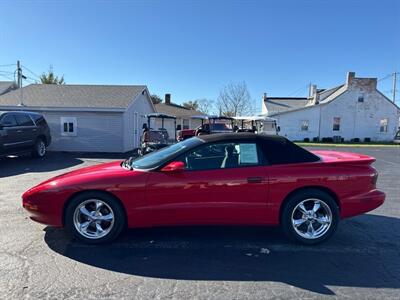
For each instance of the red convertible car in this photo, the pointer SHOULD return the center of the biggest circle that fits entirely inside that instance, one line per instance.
(220, 179)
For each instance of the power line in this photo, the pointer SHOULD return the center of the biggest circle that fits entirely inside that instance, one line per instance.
(299, 90)
(32, 79)
(30, 71)
(386, 77)
(8, 65)
(6, 76)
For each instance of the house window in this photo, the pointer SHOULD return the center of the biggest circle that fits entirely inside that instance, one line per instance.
(384, 125)
(304, 125)
(185, 123)
(68, 126)
(361, 98)
(336, 124)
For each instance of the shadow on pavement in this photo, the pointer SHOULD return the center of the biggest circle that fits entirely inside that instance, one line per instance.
(53, 161)
(15, 165)
(363, 253)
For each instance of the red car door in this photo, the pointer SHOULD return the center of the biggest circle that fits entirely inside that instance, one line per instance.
(223, 183)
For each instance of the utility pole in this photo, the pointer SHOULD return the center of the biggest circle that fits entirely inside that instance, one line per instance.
(394, 86)
(19, 74)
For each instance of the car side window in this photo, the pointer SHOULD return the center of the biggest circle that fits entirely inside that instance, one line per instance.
(222, 156)
(39, 120)
(24, 120)
(8, 121)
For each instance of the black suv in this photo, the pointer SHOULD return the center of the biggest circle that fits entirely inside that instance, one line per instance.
(22, 131)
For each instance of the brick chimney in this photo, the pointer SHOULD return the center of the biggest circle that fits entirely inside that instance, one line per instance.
(314, 94)
(313, 90)
(350, 77)
(264, 97)
(167, 99)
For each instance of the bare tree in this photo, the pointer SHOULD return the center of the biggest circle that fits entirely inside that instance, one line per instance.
(205, 106)
(234, 100)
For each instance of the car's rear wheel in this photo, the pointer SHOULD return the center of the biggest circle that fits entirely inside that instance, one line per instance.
(39, 150)
(94, 218)
(310, 217)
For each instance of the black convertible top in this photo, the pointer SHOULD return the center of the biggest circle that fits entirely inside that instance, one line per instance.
(240, 136)
(277, 149)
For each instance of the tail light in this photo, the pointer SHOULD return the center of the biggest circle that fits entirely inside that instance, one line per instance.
(374, 178)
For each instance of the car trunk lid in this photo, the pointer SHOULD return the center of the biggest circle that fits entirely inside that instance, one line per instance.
(338, 157)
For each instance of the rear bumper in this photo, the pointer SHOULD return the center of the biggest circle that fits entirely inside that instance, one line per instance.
(362, 203)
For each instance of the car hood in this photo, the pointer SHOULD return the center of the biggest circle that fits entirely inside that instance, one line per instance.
(107, 173)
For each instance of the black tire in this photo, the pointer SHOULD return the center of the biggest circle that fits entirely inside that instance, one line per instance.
(39, 149)
(110, 202)
(291, 208)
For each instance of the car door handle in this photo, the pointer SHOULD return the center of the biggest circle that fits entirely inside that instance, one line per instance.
(254, 179)
(19, 131)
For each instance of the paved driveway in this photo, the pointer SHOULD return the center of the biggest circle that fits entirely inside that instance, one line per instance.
(362, 261)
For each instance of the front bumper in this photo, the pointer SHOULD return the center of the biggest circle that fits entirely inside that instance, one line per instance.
(362, 203)
(43, 207)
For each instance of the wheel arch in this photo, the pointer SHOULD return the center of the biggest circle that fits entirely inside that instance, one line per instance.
(305, 188)
(42, 137)
(76, 194)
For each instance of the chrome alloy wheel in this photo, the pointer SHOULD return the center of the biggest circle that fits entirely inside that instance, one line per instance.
(311, 218)
(93, 218)
(41, 148)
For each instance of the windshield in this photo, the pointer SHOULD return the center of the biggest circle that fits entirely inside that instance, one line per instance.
(220, 127)
(156, 158)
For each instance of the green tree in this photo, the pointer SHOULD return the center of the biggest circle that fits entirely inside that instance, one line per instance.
(155, 99)
(194, 105)
(50, 78)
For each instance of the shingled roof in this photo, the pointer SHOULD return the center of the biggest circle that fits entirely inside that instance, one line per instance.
(176, 110)
(73, 96)
(277, 105)
(280, 104)
(6, 86)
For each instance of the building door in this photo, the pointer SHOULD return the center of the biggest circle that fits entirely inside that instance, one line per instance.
(136, 131)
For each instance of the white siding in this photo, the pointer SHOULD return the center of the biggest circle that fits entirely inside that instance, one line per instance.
(96, 132)
(357, 119)
(290, 123)
(134, 117)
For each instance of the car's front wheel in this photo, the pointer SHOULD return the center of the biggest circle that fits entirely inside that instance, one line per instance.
(94, 218)
(310, 217)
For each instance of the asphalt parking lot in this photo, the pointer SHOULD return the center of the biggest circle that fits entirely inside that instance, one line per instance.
(362, 260)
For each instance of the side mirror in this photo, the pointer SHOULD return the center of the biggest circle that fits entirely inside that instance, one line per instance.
(175, 166)
(278, 128)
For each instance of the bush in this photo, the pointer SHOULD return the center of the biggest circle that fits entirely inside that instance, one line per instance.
(355, 140)
(315, 139)
(306, 140)
(327, 140)
(367, 140)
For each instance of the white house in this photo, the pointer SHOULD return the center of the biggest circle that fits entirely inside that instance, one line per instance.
(354, 110)
(86, 118)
